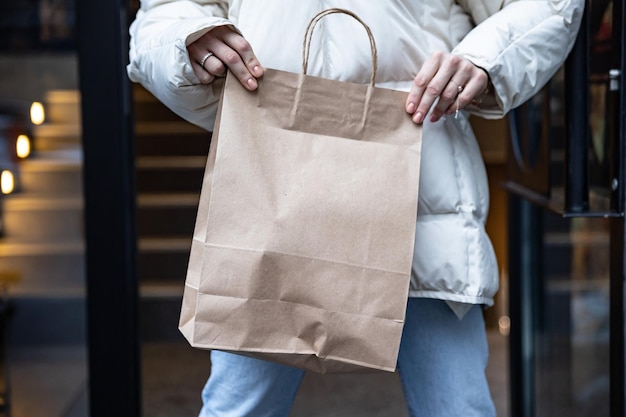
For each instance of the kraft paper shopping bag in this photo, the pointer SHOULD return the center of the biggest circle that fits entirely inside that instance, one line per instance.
(304, 236)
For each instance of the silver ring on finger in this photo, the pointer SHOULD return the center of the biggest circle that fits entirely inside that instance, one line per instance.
(459, 88)
(204, 58)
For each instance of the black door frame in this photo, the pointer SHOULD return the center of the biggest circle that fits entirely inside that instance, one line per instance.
(110, 209)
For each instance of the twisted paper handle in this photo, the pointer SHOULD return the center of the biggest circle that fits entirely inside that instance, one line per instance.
(306, 46)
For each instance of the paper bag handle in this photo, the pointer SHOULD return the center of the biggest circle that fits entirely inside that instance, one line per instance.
(309, 35)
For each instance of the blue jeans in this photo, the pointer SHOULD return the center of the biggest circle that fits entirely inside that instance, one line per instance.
(441, 363)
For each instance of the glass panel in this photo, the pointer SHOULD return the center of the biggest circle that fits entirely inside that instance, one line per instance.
(41, 247)
(602, 108)
(601, 102)
(573, 330)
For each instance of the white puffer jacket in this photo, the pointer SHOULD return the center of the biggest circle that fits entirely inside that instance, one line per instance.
(521, 44)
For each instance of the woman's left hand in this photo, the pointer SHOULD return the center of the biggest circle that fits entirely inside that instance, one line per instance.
(452, 79)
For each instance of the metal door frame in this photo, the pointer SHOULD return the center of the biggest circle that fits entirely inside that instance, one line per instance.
(110, 209)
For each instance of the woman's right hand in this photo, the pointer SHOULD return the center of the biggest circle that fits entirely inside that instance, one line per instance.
(221, 49)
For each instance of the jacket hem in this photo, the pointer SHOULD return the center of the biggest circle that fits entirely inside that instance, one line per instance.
(441, 295)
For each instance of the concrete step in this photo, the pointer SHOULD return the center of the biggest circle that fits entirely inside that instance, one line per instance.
(62, 128)
(151, 138)
(63, 107)
(148, 108)
(164, 260)
(167, 215)
(59, 267)
(170, 139)
(32, 219)
(48, 268)
(53, 173)
(158, 139)
(170, 174)
(150, 135)
(57, 136)
(43, 219)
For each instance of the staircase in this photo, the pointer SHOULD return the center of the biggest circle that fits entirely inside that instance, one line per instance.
(171, 156)
(44, 230)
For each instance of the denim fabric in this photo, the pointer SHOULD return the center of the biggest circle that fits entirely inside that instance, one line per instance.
(441, 362)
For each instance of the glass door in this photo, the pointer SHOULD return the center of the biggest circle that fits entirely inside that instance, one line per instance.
(567, 232)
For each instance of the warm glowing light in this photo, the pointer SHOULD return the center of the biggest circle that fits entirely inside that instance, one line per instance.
(7, 182)
(37, 113)
(23, 146)
(504, 325)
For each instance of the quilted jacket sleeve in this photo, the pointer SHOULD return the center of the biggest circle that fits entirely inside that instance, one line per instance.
(521, 44)
(158, 54)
